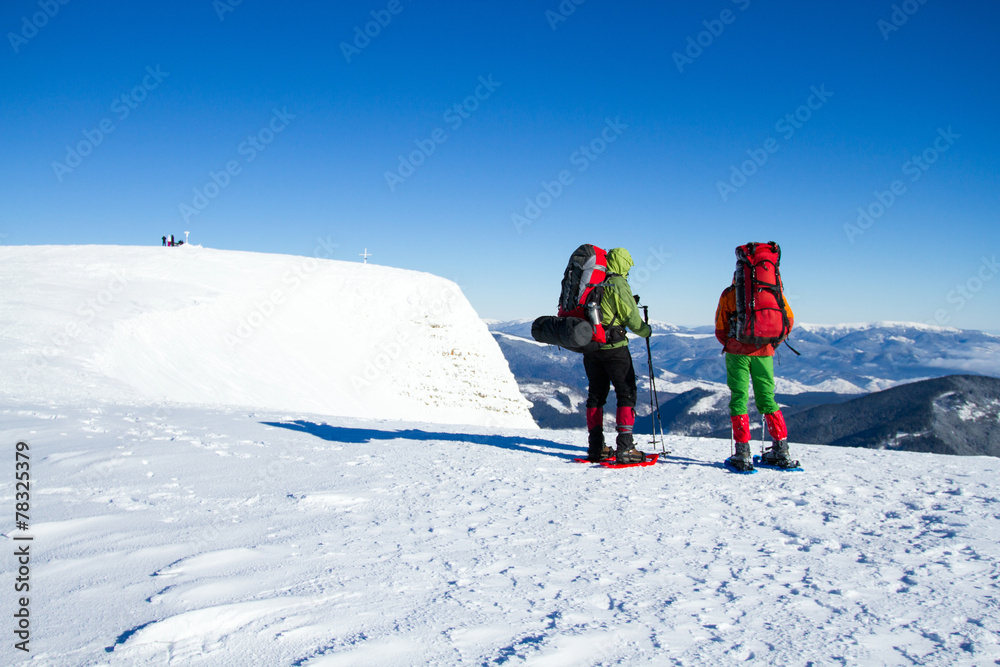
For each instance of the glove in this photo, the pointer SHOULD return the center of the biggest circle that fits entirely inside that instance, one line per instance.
(636, 297)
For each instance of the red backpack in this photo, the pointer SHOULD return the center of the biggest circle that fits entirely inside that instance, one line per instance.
(583, 287)
(761, 317)
(577, 325)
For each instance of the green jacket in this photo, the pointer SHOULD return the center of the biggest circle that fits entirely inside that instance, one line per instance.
(618, 304)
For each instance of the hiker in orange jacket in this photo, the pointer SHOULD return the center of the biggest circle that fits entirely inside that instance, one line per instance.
(745, 363)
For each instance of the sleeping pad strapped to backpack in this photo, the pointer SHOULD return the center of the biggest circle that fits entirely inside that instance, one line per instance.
(577, 326)
(760, 303)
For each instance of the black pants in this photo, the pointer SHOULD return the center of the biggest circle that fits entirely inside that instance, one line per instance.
(610, 367)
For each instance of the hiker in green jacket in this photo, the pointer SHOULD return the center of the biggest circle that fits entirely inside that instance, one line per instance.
(611, 364)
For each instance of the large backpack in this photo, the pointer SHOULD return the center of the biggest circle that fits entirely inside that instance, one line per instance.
(761, 318)
(577, 325)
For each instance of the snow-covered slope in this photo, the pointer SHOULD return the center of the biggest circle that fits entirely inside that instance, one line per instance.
(201, 326)
(193, 536)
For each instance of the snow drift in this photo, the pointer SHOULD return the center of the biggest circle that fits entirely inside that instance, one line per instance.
(211, 327)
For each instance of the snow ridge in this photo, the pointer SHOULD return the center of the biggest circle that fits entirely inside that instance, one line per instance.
(199, 326)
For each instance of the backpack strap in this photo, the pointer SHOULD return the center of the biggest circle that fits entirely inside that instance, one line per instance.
(615, 332)
(607, 281)
(604, 284)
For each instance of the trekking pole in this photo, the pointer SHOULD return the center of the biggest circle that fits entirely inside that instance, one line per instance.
(653, 398)
(763, 427)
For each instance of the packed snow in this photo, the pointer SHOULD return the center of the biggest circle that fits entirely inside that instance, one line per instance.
(203, 326)
(224, 537)
(214, 525)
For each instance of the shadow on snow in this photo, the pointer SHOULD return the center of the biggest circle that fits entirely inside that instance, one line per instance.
(362, 435)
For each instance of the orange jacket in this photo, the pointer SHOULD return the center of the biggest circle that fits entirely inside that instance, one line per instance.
(724, 315)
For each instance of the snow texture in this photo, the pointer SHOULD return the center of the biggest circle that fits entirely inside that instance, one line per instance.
(213, 536)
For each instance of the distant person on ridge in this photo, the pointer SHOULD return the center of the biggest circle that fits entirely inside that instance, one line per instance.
(612, 364)
(164, 240)
(746, 362)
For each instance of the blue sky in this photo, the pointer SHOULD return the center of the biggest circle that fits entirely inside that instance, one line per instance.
(484, 141)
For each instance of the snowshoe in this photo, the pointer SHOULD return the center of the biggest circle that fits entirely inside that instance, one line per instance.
(760, 462)
(732, 466)
(610, 456)
(649, 460)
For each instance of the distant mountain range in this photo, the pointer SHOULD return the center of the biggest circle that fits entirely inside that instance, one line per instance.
(957, 414)
(837, 364)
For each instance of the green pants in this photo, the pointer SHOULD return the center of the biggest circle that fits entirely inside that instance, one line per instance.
(740, 370)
